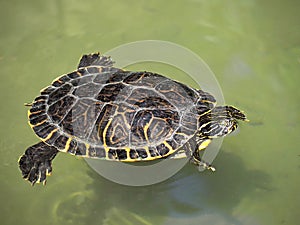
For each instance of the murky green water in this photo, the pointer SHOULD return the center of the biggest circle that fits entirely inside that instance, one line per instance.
(254, 49)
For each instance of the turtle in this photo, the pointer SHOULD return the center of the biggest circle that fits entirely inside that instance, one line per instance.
(101, 111)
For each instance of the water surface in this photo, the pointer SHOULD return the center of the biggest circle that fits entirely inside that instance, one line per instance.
(252, 47)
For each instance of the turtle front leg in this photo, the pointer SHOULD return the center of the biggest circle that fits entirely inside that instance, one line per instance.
(196, 158)
(35, 164)
(192, 151)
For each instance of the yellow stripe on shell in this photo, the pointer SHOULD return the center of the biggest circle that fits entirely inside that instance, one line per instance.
(67, 146)
(40, 123)
(36, 112)
(87, 146)
(106, 149)
(56, 79)
(127, 149)
(146, 130)
(169, 147)
(105, 131)
(28, 114)
(147, 151)
(44, 88)
(87, 153)
(49, 135)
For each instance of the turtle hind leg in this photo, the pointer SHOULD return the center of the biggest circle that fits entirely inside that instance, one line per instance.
(95, 59)
(35, 164)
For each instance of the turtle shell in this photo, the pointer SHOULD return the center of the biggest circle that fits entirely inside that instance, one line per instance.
(105, 112)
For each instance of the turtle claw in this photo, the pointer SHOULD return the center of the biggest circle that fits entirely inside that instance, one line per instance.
(49, 172)
(42, 176)
(202, 165)
(206, 166)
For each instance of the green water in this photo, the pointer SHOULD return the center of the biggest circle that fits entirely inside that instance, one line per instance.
(253, 47)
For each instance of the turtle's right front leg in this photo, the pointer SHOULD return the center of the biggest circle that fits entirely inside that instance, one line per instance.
(35, 164)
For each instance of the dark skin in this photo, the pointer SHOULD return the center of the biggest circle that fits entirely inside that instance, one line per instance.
(35, 164)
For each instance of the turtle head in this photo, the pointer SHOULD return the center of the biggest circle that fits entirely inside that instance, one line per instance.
(221, 121)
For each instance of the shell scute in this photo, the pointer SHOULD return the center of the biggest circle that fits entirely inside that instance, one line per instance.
(104, 112)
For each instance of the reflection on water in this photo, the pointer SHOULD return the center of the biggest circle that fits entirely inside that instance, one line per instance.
(188, 197)
(252, 47)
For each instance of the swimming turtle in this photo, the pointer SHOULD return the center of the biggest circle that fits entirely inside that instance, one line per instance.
(100, 111)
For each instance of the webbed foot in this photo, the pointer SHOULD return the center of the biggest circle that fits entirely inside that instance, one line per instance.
(35, 164)
(202, 165)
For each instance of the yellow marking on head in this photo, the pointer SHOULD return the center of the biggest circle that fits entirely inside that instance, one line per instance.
(49, 135)
(207, 101)
(204, 145)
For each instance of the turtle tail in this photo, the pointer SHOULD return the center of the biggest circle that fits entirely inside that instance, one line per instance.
(35, 164)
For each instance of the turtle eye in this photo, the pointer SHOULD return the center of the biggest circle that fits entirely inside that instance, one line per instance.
(228, 126)
(224, 123)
